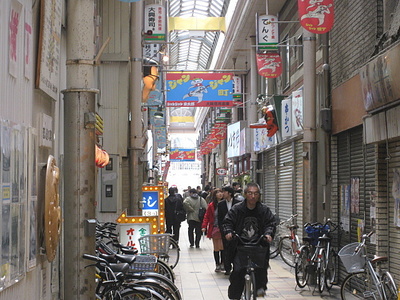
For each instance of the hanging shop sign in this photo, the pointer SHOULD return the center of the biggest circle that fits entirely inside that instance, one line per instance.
(286, 118)
(237, 90)
(154, 23)
(316, 16)
(182, 154)
(297, 110)
(269, 64)
(236, 139)
(101, 157)
(221, 171)
(160, 136)
(199, 89)
(267, 32)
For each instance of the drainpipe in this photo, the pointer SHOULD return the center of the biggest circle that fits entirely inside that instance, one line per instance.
(135, 96)
(309, 140)
(251, 111)
(79, 149)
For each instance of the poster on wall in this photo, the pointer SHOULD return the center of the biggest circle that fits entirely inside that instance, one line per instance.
(396, 196)
(48, 67)
(372, 215)
(355, 195)
(14, 32)
(345, 206)
(28, 40)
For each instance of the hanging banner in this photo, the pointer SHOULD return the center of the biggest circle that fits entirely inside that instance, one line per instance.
(199, 89)
(160, 136)
(286, 118)
(182, 154)
(267, 32)
(269, 65)
(154, 23)
(297, 110)
(317, 16)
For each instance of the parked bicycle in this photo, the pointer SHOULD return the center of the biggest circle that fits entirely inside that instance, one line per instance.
(111, 284)
(252, 256)
(288, 245)
(317, 256)
(365, 281)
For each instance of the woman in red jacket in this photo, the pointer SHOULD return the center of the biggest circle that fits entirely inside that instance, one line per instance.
(210, 225)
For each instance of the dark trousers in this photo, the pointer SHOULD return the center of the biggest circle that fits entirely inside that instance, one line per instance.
(227, 255)
(173, 228)
(196, 228)
(236, 279)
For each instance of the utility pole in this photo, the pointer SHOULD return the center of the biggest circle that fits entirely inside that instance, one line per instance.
(309, 140)
(135, 99)
(251, 106)
(79, 150)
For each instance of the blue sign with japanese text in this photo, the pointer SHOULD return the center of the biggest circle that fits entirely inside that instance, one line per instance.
(150, 203)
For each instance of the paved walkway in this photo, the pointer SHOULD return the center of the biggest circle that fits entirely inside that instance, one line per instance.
(197, 280)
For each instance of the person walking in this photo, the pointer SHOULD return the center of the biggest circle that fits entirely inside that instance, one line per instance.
(250, 219)
(223, 207)
(192, 206)
(173, 204)
(210, 225)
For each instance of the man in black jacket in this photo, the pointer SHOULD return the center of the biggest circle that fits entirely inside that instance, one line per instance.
(223, 207)
(250, 219)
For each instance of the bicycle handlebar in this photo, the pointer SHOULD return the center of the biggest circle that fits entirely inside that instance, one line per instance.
(248, 243)
(363, 240)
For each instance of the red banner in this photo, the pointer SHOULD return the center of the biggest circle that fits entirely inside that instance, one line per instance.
(317, 16)
(269, 64)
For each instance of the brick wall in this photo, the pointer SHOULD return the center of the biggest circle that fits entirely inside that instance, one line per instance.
(353, 37)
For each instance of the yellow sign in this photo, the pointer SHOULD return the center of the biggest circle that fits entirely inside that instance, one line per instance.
(153, 221)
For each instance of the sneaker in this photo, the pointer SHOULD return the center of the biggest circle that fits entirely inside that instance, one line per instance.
(260, 293)
(217, 269)
(191, 246)
(221, 268)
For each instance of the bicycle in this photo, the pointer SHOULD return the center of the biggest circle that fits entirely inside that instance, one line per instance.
(111, 285)
(365, 282)
(252, 256)
(317, 256)
(288, 245)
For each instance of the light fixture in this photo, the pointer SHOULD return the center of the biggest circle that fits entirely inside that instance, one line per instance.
(159, 114)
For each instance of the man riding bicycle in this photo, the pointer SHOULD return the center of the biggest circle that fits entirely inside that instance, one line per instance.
(249, 219)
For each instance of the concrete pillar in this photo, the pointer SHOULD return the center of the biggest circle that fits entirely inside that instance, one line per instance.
(309, 140)
(135, 99)
(79, 149)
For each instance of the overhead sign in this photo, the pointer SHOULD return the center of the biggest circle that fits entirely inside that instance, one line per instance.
(182, 155)
(317, 16)
(269, 64)
(267, 32)
(221, 171)
(155, 22)
(199, 89)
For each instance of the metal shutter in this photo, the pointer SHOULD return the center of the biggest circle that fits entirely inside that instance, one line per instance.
(269, 169)
(285, 164)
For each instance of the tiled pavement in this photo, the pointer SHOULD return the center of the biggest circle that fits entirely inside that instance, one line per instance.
(197, 280)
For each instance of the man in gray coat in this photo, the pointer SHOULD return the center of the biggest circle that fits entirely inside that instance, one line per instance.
(192, 206)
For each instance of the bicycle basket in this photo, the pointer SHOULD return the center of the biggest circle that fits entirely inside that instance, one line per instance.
(257, 254)
(353, 262)
(154, 244)
(144, 263)
(314, 232)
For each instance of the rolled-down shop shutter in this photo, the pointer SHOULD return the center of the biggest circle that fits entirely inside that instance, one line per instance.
(269, 170)
(356, 164)
(394, 230)
(285, 163)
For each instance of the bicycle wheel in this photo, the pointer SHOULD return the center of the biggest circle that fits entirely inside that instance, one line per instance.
(300, 267)
(274, 247)
(140, 293)
(321, 270)
(358, 286)
(155, 286)
(161, 279)
(389, 286)
(250, 291)
(286, 251)
(331, 269)
(172, 257)
(163, 269)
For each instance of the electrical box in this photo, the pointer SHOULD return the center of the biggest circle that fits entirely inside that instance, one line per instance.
(325, 115)
(109, 184)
